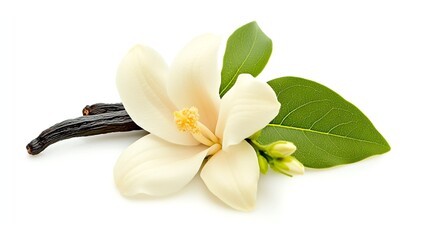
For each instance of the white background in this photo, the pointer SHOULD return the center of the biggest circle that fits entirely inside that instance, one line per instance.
(58, 56)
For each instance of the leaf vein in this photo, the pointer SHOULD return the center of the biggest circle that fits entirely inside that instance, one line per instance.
(321, 149)
(301, 106)
(340, 124)
(318, 120)
(241, 66)
(323, 133)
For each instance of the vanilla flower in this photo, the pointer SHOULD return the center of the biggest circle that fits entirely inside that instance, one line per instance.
(188, 123)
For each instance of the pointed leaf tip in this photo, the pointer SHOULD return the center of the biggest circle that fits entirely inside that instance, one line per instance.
(327, 129)
(248, 50)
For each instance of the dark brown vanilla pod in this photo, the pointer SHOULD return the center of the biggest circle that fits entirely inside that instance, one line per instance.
(102, 108)
(117, 121)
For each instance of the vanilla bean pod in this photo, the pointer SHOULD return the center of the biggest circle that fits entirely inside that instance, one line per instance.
(99, 108)
(117, 121)
(102, 108)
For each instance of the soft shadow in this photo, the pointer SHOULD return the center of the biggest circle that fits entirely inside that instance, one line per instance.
(120, 139)
(114, 137)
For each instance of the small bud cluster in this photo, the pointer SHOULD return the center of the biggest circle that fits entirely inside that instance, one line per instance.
(278, 156)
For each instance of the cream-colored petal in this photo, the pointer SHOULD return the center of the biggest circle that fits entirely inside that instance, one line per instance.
(245, 109)
(155, 167)
(233, 176)
(195, 79)
(141, 81)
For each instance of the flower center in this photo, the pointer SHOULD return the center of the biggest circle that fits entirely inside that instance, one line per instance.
(187, 120)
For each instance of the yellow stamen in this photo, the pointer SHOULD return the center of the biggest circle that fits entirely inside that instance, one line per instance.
(207, 133)
(187, 120)
(214, 149)
(202, 139)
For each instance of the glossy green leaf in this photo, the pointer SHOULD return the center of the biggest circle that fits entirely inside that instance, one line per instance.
(327, 129)
(247, 51)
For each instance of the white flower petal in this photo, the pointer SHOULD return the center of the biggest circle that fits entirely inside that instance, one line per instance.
(233, 176)
(195, 79)
(155, 167)
(141, 81)
(245, 109)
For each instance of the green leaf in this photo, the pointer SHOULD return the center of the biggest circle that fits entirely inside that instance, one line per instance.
(247, 51)
(327, 129)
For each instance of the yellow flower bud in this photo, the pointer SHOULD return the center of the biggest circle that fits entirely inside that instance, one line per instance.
(263, 164)
(281, 149)
(288, 166)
